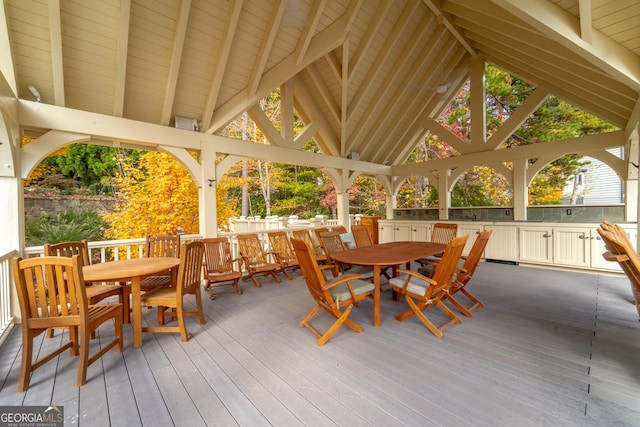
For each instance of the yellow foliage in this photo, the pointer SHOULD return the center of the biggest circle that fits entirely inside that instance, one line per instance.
(156, 197)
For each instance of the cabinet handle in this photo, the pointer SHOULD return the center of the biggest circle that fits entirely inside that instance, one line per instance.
(598, 238)
(582, 236)
(546, 235)
(477, 232)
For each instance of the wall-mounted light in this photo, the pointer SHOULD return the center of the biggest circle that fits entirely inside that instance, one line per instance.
(35, 92)
(211, 181)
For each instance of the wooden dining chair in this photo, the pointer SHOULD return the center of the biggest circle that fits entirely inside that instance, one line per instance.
(52, 293)
(332, 242)
(283, 252)
(155, 246)
(318, 231)
(221, 270)
(340, 229)
(442, 232)
(337, 296)
(255, 259)
(362, 239)
(96, 292)
(173, 297)
(306, 236)
(465, 274)
(361, 236)
(621, 250)
(423, 292)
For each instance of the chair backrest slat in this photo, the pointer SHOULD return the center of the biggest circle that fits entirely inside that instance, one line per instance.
(217, 255)
(361, 236)
(443, 232)
(68, 249)
(162, 246)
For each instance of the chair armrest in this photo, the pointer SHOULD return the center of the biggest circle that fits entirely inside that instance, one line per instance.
(345, 278)
(417, 275)
(332, 267)
(615, 257)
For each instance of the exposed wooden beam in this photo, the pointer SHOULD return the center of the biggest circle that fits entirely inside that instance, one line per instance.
(55, 36)
(564, 29)
(266, 126)
(309, 29)
(121, 61)
(586, 26)
(447, 22)
(325, 92)
(231, 25)
(176, 59)
(368, 38)
(265, 46)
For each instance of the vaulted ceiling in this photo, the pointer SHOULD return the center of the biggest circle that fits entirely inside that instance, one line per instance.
(366, 76)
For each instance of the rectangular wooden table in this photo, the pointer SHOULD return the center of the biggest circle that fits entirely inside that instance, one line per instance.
(386, 254)
(130, 270)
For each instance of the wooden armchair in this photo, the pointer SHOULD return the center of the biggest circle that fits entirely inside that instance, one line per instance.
(337, 297)
(466, 272)
(620, 250)
(220, 268)
(340, 229)
(443, 232)
(422, 292)
(361, 236)
(305, 235)
(95, 292)
(161, 246)
(188, 282)
(332, 242)
(283, 251)
(51, 292)
(255, 259)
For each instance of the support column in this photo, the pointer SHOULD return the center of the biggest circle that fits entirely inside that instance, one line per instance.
(207, 202)
(444, 195)
(390, 205)
(520, 189)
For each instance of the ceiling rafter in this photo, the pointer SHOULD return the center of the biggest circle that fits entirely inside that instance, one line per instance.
(231, 26)
(309, 111)
(266, 126)
(309, 29)
(586, 26)
(176, 59)
(325, 41)
(57, 66)
(287, 112)
(369, 36)
(384, 53)
(550, 19)
(266, 46)
(380, 98)
(324, 91)
(447, 22)
(121, 61)
(334, 65)
(410, 91)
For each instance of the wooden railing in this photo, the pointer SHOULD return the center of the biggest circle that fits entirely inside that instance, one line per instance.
(6, 282)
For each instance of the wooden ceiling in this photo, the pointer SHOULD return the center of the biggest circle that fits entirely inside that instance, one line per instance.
(366, 76)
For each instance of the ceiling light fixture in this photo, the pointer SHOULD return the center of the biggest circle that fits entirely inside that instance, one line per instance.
(35, 92)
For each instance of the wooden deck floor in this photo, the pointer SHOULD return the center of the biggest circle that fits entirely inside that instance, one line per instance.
(549, 348)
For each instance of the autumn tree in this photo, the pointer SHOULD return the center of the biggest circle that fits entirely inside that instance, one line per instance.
(156, 196)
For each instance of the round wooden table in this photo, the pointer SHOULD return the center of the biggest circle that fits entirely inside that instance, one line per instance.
(130, 270)
(384, 255)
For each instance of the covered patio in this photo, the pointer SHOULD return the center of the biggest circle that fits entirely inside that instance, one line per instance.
(368, 79)
(549, 348)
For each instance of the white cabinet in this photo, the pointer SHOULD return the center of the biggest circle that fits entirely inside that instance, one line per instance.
(421, 231)
(503, 243)
(385, 231)
(572, 247)
(472, 230)
(536, 244)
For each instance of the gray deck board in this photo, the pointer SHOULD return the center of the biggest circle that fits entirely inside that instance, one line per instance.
(549, 348)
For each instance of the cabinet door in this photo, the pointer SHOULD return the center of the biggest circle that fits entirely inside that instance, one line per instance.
(471, 230)
(385, 231)
(402, 231)
(503, 243)
(536, 244)
(572, 247)
(419, 232)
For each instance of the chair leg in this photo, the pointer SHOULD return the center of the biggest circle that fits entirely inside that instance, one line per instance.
(27, 357)
(476, 302)
(418, 312)
(199, 306)
(462, 309)
(181, 323)
(83, 360)
(336, 325)
(276, 278)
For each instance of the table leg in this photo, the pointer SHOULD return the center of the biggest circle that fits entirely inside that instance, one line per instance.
(376, 296)
(136, 312)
